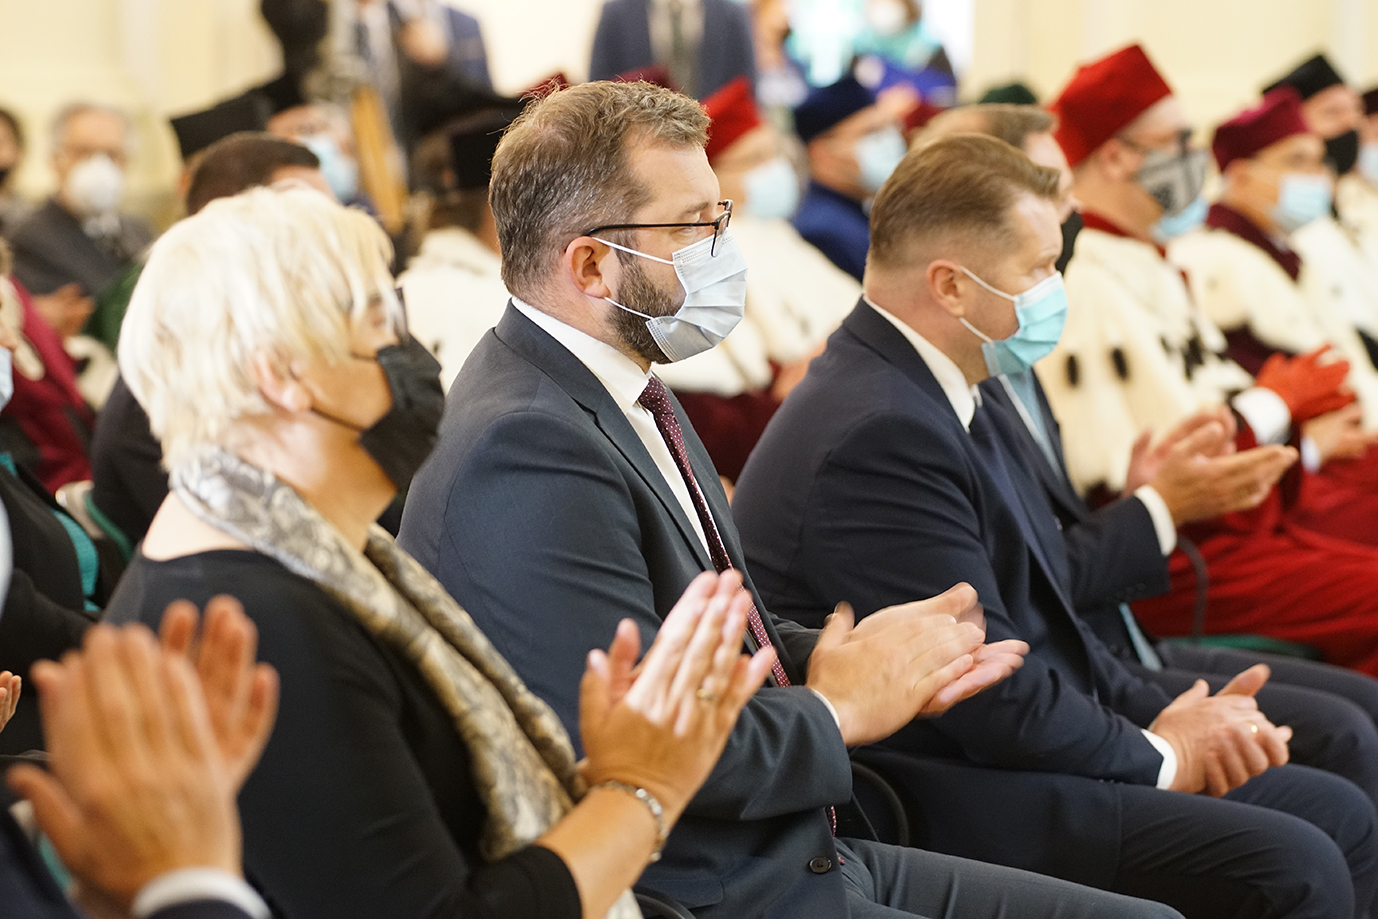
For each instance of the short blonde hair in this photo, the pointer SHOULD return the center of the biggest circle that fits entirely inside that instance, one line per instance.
(277, 271)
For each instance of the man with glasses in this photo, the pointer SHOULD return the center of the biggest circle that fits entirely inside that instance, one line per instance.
(567, 493)
(1138, 354)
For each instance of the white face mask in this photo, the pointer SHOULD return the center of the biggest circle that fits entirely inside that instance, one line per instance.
(95, 186)
(1368, 162)
(714, 282)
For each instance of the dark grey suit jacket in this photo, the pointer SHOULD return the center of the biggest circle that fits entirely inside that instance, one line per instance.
(623, 42)
(545, 517)
(50, 250)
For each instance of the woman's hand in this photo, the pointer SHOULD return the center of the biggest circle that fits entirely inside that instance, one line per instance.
(662, 725)
(10, 686)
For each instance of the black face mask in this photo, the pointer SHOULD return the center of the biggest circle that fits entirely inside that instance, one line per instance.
(400, 441)
(1070, 228)
(1342, 151)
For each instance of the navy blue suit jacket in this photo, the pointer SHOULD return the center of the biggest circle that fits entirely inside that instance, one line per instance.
(865, 487)
(623, 42)
(543, 514)
(1113, 552)
(835, 225)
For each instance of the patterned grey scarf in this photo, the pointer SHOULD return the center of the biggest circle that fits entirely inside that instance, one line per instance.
(522, 760)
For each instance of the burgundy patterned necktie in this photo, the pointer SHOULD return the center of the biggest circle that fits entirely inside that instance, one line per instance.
(656, 400)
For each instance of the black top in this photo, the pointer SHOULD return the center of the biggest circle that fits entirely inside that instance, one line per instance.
(363, 804)
(128, 482)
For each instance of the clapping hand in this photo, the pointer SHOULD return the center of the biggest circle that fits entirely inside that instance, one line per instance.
(10, 686)
(662, 725)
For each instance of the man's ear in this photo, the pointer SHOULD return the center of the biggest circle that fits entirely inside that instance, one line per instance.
(944, 286)
(280, 390)
(584, 260)
(1117, 160)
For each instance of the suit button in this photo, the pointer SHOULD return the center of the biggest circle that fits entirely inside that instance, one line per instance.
(820, 865)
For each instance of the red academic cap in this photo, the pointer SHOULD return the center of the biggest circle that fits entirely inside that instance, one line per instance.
(551, 84)
(1103, 97)
(733, 112)
(1277, 117)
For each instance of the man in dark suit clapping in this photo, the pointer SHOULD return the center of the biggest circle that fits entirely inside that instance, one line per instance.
(886, 474)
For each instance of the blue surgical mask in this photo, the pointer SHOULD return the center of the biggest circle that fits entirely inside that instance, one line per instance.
(1302, 198)
(1368, 162)
(340, 171)
(1041, 311)
(1184, 221)
(877, 155)
(714, 282)
(772, 190)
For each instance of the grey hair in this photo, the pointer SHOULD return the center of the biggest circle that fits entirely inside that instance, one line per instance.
(57, 133)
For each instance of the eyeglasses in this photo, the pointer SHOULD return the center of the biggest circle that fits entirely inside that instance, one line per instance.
(719, 224)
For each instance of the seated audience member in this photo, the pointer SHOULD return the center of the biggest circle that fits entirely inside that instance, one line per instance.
(453, 286)
(792, 290)
(50, 576)
(1119, 552)
(1356, 194)
(325, 131)
(853, 143)
(13, 209)
(287, 438)
(1338, 276)
(1137, 353)
(71, 249)
(704, 44)
(46, 424)
(1241, 267)
(575, 464)
(780, 83)
(1272, 298)
(144, 763)
(886, 475)
(129, 482)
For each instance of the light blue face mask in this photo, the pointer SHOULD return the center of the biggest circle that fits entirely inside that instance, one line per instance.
(772, 190)
(341, 172)
(1041, 311)
(1184, 221)
(1368, 162)
(877, 155)
(714, 282)
(1302, 198)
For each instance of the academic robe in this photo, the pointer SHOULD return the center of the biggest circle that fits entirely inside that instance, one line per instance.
(1137, 353)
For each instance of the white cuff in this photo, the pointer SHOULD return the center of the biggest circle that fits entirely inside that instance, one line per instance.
(190, 884)
(1163, 524)
(1265, 412)
(1310, 454)
(831, 711)
(1168, 771)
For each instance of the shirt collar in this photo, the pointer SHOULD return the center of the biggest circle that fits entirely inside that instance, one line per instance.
(963, 396)
(619, 374)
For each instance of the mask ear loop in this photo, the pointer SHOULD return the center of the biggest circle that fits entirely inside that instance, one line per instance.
(654, 258)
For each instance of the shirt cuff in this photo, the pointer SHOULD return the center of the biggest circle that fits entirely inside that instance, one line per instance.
(1163, 524)
(188, 885)
(1310, 454)
(1265, 412)
(1168, 771)
(828, 705)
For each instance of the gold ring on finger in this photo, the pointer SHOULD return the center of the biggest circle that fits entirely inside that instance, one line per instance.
(703, 695)
(1253, 727)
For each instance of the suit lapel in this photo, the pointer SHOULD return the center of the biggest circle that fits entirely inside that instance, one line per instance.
(570, 374)
(1055, 486)
(880, 335)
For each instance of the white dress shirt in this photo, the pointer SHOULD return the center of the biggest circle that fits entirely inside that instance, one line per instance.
(964, 398)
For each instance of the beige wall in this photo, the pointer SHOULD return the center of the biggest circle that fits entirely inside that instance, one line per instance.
(1215, 53)
(163, 57)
